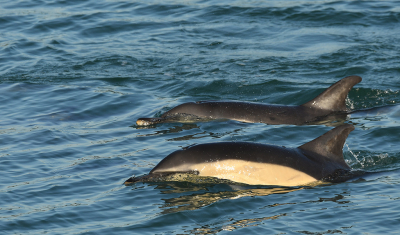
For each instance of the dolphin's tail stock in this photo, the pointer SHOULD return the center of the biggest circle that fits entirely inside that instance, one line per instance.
(334, 98)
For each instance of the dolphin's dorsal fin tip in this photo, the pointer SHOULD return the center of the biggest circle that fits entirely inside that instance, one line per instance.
(330, 144)
(334, 98)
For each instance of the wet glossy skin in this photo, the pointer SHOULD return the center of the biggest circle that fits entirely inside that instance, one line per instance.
(330, 104)
(260, 164)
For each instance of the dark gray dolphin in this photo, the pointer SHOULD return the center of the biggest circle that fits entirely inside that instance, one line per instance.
(260, 164)
(329, 102)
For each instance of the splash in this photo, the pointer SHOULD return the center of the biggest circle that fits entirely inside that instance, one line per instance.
(355, 156)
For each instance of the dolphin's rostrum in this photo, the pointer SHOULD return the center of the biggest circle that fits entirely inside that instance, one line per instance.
(258, 164)
(329, 103)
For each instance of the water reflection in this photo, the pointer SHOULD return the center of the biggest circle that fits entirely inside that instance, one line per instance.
(337, 198)
(174, 129)
(202, 195)
(207, 229)
(179, 127)
(234, 224)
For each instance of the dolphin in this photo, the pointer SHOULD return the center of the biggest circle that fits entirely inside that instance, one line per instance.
(331, 102)
(259, 164)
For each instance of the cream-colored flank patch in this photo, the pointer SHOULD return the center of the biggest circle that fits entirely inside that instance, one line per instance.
(247, 172)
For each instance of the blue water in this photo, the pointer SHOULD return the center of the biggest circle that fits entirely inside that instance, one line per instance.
(75, 76)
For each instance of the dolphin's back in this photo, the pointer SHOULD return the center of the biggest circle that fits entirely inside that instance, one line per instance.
(183, 160)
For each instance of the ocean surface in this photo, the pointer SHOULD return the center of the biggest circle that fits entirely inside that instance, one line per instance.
(76, 75)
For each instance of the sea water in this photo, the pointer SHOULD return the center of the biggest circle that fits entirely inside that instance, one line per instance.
(75, 76)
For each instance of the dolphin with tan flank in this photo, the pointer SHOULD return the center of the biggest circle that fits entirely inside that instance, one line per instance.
(258, 164)
(329, 103)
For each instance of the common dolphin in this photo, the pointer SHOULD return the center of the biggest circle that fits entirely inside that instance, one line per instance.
(258, 164)
(329, 102)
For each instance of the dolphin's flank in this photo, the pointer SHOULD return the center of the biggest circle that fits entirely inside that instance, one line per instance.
(259, 164)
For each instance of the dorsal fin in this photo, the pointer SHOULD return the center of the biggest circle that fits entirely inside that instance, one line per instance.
(334, 97)
(331, 143)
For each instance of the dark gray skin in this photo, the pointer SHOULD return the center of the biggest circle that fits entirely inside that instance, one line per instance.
(328, 105)
(321, 158)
